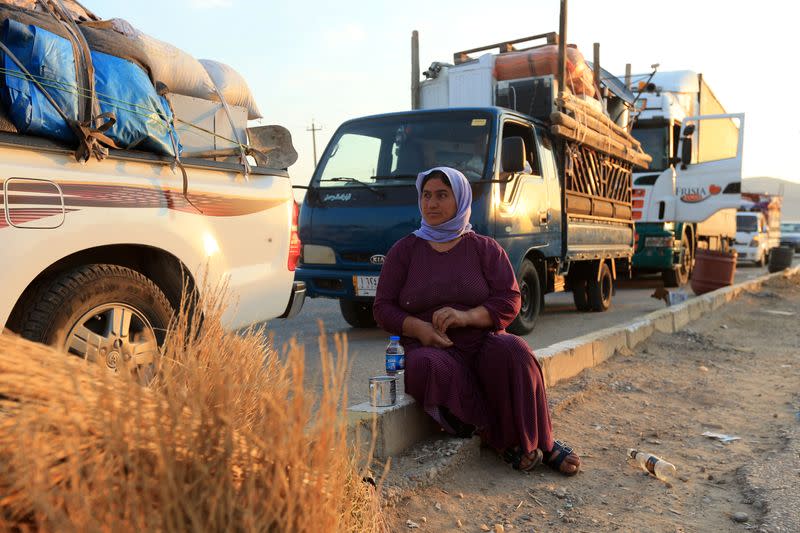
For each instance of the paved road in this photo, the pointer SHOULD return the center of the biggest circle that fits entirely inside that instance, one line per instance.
(559, 321)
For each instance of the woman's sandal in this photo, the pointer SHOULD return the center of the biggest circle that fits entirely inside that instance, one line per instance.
(555, 458)
(522, 461)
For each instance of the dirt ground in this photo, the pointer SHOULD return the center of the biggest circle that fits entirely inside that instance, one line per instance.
(736, 372)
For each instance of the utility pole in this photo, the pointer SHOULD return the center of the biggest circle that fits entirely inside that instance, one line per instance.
(313, 129)
(414, 70)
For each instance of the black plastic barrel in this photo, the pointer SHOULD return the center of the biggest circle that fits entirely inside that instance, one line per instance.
(780, 258)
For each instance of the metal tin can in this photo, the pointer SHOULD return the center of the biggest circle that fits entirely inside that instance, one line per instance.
(382, 391)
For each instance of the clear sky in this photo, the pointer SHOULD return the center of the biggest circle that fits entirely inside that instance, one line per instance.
(331, 61)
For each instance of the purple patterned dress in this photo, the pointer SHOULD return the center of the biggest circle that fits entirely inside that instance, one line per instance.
(488, 378)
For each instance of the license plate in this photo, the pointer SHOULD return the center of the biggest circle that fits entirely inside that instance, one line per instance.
(365, 285)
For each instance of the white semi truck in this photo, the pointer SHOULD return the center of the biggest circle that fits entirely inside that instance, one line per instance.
(688, 197)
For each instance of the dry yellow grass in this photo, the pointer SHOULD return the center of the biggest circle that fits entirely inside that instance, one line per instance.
(225, 439)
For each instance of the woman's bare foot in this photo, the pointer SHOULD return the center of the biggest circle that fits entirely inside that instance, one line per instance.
(562, 459)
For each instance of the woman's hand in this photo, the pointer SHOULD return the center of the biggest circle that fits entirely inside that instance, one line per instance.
(425, 333)
(447, 317)
(429, 336)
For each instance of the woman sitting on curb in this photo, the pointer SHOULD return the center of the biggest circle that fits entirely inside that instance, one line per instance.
(451, 293)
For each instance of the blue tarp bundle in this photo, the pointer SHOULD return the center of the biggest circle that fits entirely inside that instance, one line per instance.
(144, 119)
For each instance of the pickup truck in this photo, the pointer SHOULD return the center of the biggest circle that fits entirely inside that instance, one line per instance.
(97, 252)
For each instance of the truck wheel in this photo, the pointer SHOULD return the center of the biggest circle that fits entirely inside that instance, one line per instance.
(531, 291)
(600, 291)
(679, 274)
(780, 258)
(357, 314)
(762, 261)
(109, 314)
(580, 294)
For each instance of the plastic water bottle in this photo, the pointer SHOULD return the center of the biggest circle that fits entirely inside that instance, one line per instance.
(395, 357)
(655, 465)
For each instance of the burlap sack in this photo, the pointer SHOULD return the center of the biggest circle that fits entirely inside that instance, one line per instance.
(233, 87)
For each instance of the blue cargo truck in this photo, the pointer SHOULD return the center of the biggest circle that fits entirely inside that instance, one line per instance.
(559, 207)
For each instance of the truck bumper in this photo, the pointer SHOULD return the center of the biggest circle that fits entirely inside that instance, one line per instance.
(332, 283)
(747, 253)
(655, 258)
(649, 258)
(296, 300)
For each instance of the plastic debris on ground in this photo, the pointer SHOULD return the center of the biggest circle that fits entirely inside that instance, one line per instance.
(670, 298)
(725, 439)
(779, 313)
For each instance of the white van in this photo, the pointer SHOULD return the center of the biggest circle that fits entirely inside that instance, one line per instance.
(754, 240)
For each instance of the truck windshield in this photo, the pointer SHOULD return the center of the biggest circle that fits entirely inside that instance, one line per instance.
(655, 141)
(788, 227)
(393, 150)
(746, 223)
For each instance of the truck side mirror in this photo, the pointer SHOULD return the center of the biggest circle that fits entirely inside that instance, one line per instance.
(513, 155)
(688, 131)
(686, 152)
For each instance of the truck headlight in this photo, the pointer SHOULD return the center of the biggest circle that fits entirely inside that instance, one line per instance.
(318, 255)
(753, 242)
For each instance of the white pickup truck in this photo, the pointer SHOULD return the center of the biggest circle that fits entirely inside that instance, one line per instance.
(94, 254)
(128, 173)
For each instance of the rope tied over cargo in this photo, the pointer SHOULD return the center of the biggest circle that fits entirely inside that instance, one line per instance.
(242, 150)
(91, 125)
(130, 107)
(91, 138)
(52, 77)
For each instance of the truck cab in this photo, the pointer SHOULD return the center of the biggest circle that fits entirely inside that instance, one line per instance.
(362, 196)
(688, 197)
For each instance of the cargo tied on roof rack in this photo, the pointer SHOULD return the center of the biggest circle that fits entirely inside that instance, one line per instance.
(142, 119)
(69, 76)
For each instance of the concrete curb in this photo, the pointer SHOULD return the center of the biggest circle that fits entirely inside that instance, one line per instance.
(400, 426)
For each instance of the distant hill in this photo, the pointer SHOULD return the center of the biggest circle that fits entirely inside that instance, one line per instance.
(791, 193)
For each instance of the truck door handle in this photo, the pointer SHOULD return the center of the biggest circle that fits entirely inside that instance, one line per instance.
(544, 217)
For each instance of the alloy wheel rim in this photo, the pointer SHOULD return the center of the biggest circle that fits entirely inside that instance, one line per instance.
(115, 335)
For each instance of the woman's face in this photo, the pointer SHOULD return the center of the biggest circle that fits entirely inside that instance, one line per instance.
(438, 202)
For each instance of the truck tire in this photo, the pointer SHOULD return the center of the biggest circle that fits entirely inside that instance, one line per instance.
(780, 258)
(600, 291)
(580, 293)
(679, 274)
(763, 260)
(531, 292)
(104, 313)
(357, 314)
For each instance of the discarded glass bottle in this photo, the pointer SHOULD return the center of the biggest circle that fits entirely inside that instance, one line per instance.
(395, 357)
(655, 465)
